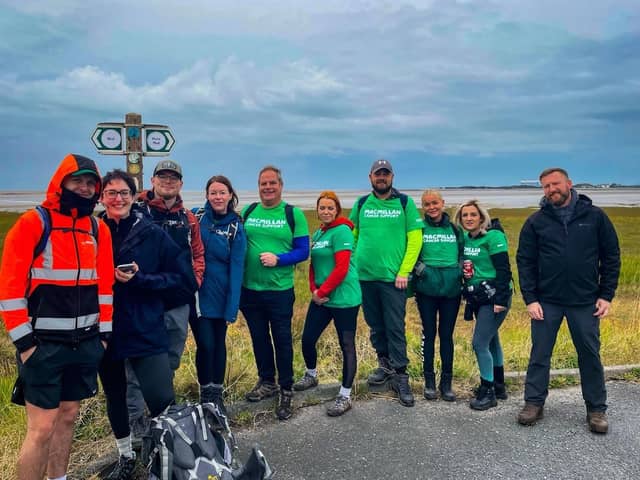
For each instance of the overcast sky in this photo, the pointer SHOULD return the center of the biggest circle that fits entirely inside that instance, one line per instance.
(451, 92)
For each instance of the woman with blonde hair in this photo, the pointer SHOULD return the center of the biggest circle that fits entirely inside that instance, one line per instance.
(437, 283)
(336, 296)
(487, 278)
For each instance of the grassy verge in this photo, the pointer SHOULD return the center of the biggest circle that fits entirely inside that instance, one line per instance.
(619, 334)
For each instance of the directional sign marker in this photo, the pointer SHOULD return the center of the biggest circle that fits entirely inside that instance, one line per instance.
(108, 138)
(157, 140)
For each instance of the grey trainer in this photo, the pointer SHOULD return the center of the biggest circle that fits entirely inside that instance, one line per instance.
(305, 383)
(340, 406)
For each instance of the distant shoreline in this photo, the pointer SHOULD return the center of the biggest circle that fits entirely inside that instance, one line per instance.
(492, 197)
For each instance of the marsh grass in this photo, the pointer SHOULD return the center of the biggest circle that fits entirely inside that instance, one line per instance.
(620, 336)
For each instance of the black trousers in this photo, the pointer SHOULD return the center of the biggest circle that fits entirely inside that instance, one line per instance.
(268, 314)
(155, 377)
(211, 352)
(585, 334)
(438, 315)
(345, 321)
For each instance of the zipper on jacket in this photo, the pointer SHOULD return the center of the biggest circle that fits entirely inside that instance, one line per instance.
(75, 340)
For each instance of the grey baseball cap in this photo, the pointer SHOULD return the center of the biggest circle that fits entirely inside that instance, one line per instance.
(380, 164)
(168, 165)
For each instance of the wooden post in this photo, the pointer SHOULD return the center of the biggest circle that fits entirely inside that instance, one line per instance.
(133, 152)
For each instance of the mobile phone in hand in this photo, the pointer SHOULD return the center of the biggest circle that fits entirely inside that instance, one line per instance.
(126, 267)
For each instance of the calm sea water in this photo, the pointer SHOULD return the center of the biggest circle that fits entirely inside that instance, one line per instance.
(306, 199)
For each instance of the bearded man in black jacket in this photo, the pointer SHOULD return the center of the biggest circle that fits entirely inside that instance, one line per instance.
(568, 262)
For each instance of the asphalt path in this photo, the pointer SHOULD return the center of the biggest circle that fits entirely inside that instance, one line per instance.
(380, 439)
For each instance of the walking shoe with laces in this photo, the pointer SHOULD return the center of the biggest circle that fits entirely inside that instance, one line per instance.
(485, 398)
(341, 405)
(306, 382)
(530, 414)
(123, 469)
(381, 374)
(400, 385)
(598, 422)
(284, 409)
(261, 391)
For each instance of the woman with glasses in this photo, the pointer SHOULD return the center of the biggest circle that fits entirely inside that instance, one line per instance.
(487, 290)
(148, 263)
(225, 244)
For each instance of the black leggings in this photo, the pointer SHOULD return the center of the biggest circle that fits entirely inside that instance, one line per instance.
(155, 377)
(429, 307)
(345, 321)
(211, 351)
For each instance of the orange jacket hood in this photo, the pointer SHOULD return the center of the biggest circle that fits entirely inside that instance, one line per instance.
(72, 163)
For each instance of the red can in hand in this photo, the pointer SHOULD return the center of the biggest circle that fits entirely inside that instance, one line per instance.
(467, 269)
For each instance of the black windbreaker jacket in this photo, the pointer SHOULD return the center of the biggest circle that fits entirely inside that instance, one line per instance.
(572, 265)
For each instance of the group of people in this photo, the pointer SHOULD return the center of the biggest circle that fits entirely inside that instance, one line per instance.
(82, 298)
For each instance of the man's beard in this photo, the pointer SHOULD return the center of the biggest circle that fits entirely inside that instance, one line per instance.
(381, 190)
(562, 200)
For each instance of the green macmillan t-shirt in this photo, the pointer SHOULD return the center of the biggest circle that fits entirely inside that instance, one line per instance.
(439, 246)
(268, 231)
(323, 247)
(382, 236)
(479, 251)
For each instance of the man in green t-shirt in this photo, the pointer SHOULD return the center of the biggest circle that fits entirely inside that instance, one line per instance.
(277, 239)
(388, 229)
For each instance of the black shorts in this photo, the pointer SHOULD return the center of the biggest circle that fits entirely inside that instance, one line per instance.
(59, 372)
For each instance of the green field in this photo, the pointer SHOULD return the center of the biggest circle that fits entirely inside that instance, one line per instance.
(620, 334)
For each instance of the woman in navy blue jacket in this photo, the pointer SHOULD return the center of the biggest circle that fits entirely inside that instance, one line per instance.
(225, 245)
(150, 264)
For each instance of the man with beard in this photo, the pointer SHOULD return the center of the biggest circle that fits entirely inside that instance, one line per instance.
(163, 205)
(568, 262)
(388, 229)
(56, 294)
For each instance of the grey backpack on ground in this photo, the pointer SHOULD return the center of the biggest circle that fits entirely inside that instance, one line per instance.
(194, 441)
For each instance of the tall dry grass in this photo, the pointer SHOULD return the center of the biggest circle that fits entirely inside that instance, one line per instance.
(620, 335)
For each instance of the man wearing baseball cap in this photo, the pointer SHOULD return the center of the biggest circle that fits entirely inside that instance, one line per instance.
(164, 206)
(388, 229)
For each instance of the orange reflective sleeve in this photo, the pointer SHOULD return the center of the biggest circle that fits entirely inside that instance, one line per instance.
(105, 268)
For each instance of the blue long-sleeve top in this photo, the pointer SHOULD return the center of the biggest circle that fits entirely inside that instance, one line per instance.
(299, 252)
(225, 244)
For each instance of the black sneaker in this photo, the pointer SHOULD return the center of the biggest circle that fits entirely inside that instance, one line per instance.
(284, 410)
(261, 391)
(400, 385)
(306, 382)
(123, 469)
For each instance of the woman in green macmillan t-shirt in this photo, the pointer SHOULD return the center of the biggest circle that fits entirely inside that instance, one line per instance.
(437, 284)
(336, 295)
(487, 278)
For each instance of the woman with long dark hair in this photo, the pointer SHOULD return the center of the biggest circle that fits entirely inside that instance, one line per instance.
(225, 245)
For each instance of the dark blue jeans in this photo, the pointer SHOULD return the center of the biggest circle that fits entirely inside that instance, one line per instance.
(345, 321)
(585, 334)
(211, 352)
(384, 308)
(438, 314)
(268, 314)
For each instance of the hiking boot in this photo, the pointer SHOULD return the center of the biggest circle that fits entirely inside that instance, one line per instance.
(445, 388)
(501, 391)
(485, 398)
(305, 383)
(284, 410)
(123, 469)
(138, 427)
(382, 374)
(213, 394)
(341, 405)
(530, 414)
(400, 385)
(598, 422)
(430, 386)
(498, 383)
(261, 391)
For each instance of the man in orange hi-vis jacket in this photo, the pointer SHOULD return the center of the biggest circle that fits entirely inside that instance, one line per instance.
(57, 310)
